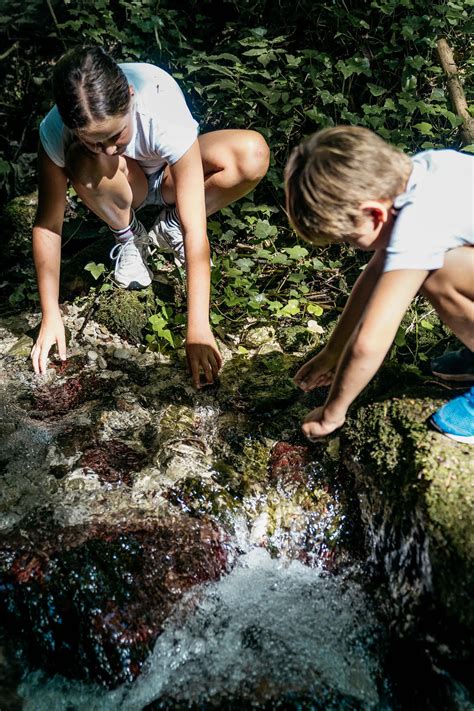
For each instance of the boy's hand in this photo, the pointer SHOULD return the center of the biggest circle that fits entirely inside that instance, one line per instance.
(318, 371)
(203, 354)
(320, 423)
(51, 333)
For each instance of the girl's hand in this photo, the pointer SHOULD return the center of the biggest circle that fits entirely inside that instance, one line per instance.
(51, 333)
(318, 371)
(319, 423)
(203, 354)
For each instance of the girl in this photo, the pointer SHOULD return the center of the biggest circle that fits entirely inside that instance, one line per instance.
(123, 136)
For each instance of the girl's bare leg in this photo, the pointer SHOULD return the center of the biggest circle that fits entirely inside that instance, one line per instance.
(108, 185)
(234, 162)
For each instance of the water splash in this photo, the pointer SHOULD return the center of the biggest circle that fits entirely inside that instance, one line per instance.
(265, 631)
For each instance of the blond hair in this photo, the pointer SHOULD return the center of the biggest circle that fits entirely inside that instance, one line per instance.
(332, 172)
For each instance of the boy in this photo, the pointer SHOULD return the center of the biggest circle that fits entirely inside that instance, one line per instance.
(345, 184)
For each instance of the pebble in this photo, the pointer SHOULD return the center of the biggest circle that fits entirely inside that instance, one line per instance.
(121, 354)
(102, 363)
(92, 356)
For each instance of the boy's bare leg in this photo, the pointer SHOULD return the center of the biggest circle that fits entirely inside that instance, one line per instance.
(108, 185)
(451, 291)
(234, 162)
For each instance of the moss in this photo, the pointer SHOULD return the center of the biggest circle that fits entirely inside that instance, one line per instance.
(259, 384)
(416, 490)
(18, 218)
(126, 312)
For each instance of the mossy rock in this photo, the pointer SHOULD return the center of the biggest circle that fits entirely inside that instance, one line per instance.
(416, 492)
(126, 312)
(259, 384)
(18, 217)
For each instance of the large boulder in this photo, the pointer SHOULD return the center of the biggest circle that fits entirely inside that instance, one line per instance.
(416, 493)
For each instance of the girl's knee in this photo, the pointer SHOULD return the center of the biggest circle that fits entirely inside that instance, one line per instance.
(253, 157)
(85, 169)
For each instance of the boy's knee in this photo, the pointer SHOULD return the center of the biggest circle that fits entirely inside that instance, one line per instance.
(254, 157)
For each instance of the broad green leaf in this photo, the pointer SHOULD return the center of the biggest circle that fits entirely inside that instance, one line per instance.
(95, 269)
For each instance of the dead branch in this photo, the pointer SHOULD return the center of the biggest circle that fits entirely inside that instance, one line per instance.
(456, 91)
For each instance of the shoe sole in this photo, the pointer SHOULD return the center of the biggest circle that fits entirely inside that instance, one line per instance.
(461, 378)
(457, 438)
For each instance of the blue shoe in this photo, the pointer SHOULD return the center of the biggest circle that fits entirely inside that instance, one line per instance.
(455, 365)
(456, 418)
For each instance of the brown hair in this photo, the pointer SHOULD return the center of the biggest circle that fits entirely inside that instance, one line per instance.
(332, 172)
(88, 85)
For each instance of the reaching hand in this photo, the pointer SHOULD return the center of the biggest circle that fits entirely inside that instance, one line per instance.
(319, 424)
(317, 372)
(51, 333)
(203, 354)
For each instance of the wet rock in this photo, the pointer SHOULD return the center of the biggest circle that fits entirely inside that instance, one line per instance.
(113, 462)
(56, 400)
(288, 462)
(22, 348)
(416, 495)
(259, 384)
(89, 602)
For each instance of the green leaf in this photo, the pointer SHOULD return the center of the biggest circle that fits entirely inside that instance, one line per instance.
(400, 337)
(314, 309)
(296, 252)
(291, 308)
(95, 269)
(426, 325)
(425, 128)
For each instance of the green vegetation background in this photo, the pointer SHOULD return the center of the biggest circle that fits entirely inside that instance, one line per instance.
(284, 68)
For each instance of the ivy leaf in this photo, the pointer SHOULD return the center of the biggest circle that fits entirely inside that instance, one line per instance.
(95, 269)
(296, 252)
(291, 308)
(315, 309)
(425, 128)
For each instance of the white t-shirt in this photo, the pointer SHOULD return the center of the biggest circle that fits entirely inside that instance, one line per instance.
(164, 128)
(436, 211)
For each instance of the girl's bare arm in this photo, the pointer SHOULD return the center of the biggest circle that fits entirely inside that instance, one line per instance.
(47, 228)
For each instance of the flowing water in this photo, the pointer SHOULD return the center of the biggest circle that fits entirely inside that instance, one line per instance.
(268, 631)
(291, 623)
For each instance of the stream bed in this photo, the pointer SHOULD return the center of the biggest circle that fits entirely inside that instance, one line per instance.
(162, 549)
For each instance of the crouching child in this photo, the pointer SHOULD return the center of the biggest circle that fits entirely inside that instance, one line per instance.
(346, 184)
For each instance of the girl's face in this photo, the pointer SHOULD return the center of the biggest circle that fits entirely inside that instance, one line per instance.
(110, 136)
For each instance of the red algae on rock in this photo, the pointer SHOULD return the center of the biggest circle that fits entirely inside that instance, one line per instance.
(90, 603)
(288, 462)
(56, 400)
(113, 461)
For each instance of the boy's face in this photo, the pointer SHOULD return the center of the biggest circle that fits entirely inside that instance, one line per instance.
(374, 227)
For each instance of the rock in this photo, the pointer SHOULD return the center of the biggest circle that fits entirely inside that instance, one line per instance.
(416, 495)
(22, 348)
(18, 218)
(125, 312)
(89, 603)
(259, 384)
(256, 337)
(92, 356)
(121, 354)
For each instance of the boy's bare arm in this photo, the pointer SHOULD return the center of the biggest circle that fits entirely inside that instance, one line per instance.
(201, 348)
(367, 348)
(318, 371)
(47, 257)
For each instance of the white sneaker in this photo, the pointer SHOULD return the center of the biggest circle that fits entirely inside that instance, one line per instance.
(130, 257)
(167, 236)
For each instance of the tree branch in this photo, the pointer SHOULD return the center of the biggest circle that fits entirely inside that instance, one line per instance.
(456, 92)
